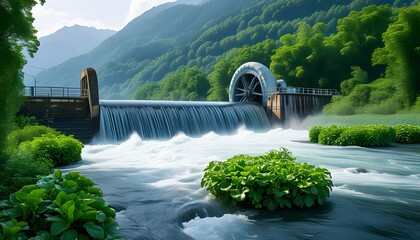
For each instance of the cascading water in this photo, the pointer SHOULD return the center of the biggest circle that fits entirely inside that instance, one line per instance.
(155, 187)
(165, 119)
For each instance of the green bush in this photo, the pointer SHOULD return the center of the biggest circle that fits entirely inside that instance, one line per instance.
(61, 150)
(20, 170)
(28, 133)
(329, 135)
(314, 133)
(58, 207)
(33, 151)
(23, 121)
(366, 136)
(272, 180)
(405, 133)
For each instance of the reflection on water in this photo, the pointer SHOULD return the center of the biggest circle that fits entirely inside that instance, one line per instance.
(155, 186)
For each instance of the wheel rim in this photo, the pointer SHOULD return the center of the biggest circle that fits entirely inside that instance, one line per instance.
(248, 88)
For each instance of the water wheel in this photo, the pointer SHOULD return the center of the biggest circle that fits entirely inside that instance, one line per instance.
(252, 82)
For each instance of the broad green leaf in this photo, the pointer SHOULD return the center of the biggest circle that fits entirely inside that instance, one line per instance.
(58, 173)
(94, 230)
(58, 227)
(69, 234)
(48, 185)
(309, 201)
(100, 216)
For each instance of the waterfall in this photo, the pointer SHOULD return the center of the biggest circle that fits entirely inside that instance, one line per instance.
(164, 119)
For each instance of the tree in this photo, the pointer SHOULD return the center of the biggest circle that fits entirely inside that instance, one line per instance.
(401, 53)
(359, 34)
(185, 84)
(305, 61)
(16, 32)
(226, 67)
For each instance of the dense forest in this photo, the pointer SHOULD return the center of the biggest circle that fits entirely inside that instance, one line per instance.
(366, 49)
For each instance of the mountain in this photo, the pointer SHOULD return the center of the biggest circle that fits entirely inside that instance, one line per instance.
(179, 34)
(62, 45)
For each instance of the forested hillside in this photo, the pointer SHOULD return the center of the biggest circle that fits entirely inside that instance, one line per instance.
(190, 52)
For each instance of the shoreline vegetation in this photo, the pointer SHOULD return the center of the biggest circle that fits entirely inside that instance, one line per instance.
(377, 135)
(360, 119)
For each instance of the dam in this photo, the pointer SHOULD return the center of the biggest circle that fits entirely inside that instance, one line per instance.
(257, 101)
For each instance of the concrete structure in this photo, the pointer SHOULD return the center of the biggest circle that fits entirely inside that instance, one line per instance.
(76, 111)
(72, 111)
(255, 82)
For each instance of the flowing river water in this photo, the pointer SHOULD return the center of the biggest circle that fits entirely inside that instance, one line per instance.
(155, 187)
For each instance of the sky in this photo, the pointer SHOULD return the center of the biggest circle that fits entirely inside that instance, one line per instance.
(101, 14)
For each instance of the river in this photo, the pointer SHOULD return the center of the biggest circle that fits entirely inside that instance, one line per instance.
(155, 187)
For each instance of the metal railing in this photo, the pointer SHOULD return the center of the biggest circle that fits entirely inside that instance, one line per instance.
(54, 92)
(301, 90)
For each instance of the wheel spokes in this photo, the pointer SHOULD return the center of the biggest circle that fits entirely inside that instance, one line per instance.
(251, 85)
(255, 86)
(247, 89)
(244, 82)
(241, 89)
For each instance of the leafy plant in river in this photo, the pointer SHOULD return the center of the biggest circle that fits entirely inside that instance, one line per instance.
(365, 135)
(58, 207)
(405, 133)
(314, 133)
(270, 181)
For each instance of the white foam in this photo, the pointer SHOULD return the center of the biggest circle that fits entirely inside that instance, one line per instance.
(226, 227)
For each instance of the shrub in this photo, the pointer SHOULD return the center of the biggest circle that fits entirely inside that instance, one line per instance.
(272, 180)
(61, 150)
(28, 133)
(23, 121)
(58, 207)
(329, 135)
(314, 133)
(366, 136)
(405, 133)
(21, 169)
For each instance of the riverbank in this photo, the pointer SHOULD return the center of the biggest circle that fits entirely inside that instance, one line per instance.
(362, 119)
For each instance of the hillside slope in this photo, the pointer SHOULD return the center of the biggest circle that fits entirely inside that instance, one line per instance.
(154, 45)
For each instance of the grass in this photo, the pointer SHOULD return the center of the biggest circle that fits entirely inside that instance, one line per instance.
(368, 119)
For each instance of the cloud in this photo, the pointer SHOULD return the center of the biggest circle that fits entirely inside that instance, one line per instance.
(48, 19)
(138, 7)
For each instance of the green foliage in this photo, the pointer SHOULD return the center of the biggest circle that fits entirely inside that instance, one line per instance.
(186, 84)
(305, 61)
(314, 133)
(364, 135)
(359, 77)
(226, 67)
(405, 133)
(148, 91)
(21, 169)
(157, 44)
(361, 119)
(400, 86)
(270, 181)
(329, 135)
(378, 97)
(28, 133)
(16, 31)
(60, 149)
(33, 151)
(401, 52)
(58, 207)
(23, 121)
